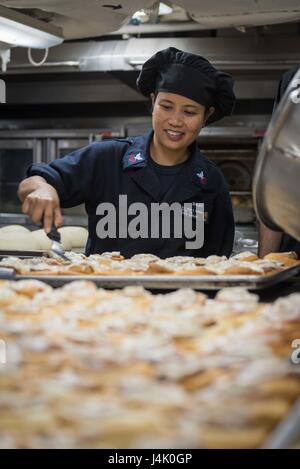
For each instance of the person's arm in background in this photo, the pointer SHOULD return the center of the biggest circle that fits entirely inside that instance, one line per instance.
(268, 240)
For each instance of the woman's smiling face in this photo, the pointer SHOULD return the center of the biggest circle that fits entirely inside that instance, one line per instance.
(177, 120)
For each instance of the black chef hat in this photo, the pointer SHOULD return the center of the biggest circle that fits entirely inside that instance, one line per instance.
(174, 71)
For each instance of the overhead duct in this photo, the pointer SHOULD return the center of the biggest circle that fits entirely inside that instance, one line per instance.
(106, 71)
(128, 55)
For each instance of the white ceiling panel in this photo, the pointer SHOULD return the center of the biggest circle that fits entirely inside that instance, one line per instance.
(92, 18)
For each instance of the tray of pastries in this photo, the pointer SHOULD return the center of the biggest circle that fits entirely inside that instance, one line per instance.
(85, 367)
(112, 270)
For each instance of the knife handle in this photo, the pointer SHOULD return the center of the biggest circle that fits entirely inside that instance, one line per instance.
(54, 234)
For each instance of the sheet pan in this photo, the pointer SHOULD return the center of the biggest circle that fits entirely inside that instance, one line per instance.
(169, 282)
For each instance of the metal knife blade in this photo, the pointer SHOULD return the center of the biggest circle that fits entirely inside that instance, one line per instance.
(56, 246)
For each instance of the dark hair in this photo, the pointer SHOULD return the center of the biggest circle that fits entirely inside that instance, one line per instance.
(150, 102)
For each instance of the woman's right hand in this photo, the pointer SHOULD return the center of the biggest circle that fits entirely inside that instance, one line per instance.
(40, 202)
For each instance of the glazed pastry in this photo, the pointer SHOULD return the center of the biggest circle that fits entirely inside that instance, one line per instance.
(114, 264)
(94, 368)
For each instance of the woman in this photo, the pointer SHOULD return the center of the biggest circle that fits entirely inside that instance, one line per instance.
(129, 185)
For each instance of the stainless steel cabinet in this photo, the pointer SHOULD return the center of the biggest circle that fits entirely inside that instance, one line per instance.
(59, 147)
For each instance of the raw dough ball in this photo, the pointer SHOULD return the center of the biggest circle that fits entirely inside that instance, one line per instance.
(18, 242)
(45, 243)
(41, 238)
(14, 229)
(75, 234)
(65, 241)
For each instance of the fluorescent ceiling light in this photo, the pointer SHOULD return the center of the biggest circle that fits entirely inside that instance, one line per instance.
(22, 30)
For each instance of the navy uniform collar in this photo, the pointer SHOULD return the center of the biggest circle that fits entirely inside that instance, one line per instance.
(137, 154)
(193, 178)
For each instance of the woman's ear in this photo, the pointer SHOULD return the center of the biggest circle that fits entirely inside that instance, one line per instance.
(209, 112)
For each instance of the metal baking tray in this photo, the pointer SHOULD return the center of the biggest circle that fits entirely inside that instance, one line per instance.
(169, 282)
(287, 433)
(23, 254)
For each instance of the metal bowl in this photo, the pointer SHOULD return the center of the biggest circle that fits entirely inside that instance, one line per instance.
(276, 182)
